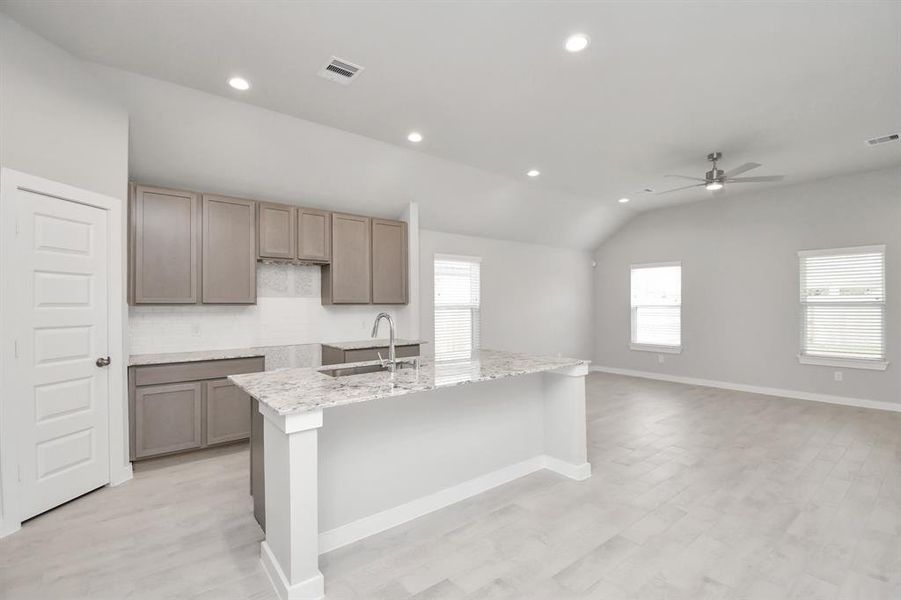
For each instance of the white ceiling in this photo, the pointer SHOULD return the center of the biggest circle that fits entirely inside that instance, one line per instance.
(797, 86)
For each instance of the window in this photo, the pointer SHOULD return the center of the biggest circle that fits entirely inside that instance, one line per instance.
(457, 297)
(657, 307)
(843, 307)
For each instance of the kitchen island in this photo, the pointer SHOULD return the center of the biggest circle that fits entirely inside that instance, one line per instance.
(349, 455)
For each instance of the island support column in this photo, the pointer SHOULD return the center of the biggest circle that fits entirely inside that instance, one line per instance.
(565, 425)
(290, 552)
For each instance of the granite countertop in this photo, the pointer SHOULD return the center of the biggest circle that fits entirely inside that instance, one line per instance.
(372, 343)
(300, 390)
(277, 357)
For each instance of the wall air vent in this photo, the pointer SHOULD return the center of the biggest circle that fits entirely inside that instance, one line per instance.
(882, 140)
(340, 70)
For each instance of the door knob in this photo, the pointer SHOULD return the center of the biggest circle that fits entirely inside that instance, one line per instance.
(103, 361)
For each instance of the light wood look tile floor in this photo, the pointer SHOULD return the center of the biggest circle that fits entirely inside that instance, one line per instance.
(697, 493)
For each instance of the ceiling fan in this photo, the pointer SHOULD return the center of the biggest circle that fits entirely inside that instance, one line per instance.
(715, 178)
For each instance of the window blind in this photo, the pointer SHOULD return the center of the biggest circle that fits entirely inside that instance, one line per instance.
(843, 303)
(657, 305)
(457, 299)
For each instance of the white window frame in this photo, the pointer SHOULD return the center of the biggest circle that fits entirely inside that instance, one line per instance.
(832, 361)
(653, 347)
(475, 311)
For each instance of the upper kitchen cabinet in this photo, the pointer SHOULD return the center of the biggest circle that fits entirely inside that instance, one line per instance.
(229, 274)
(164, 240)
(291, 233)
(314, 235)
(389, 262)
(347, 280)
(277, 231)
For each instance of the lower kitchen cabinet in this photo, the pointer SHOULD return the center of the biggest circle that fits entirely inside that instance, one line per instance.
(227, 412)
(167, 419)
(177, 407)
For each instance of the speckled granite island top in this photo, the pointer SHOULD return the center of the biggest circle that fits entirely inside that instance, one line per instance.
(299, 390)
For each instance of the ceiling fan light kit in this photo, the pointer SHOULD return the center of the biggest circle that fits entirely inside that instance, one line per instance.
(716, 179)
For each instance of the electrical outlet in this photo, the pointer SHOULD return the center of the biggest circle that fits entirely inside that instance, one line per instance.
(660, 359)
(838, 375)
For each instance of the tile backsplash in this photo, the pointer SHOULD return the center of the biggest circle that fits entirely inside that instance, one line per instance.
(288, 311)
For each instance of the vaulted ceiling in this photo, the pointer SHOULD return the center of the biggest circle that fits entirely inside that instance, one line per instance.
(796, 86)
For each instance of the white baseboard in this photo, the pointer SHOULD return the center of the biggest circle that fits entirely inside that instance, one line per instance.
(121, 475)
(309, 589)
(755, 389)
(577, 472)
(367, 526)
(9, 527)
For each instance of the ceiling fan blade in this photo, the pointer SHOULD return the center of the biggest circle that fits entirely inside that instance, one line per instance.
(686, 177)
(756, 179)
(683, 188)
(742, 169)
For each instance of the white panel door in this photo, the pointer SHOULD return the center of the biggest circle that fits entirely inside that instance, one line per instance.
(62, 402)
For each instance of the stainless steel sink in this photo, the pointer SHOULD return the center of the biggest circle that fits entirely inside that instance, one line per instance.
(345, 371)
(362, 369)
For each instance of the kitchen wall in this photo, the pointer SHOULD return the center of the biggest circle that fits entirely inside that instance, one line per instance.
(534, 298)
(191, 139)
(289, 310)
(57, 120)
(740, 309)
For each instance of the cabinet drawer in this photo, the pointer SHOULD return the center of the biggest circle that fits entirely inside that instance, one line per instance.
(194, 371)
(373, 353)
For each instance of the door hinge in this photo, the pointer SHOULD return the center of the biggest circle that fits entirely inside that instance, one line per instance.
(16, 348)
(19, 473)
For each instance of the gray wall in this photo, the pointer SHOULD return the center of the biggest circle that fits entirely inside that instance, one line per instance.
(534, 298)
(740, 309)
(56, 118)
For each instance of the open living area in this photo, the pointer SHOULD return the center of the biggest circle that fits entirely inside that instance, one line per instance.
(458, 300)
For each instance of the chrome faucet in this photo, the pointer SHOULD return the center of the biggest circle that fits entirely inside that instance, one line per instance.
(391, 363)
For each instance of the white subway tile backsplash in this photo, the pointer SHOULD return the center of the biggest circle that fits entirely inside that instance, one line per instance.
(288, 311)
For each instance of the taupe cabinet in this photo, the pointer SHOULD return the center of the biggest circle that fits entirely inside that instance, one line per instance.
(389, 262)
(332, 355)
(314, 235)
(277, 231)
(186, 251)
(348, 278)
(183, 406)
(292, 233)
(185, 248)
(229, 256)
(164, 243)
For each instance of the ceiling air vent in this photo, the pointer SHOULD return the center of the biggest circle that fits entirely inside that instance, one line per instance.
(340, 70)
(882, 140)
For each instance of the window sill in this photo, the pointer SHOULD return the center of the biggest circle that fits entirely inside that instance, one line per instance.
(850, 363)
(652, 348)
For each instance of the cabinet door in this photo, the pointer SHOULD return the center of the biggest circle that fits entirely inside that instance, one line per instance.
(227, 412)
(389, 262)
(229, 257)
(348, 278)
(277, 228)
(164, 234)
(314, 234)
(167, 418)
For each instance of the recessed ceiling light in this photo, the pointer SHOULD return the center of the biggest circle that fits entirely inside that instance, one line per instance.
(239, 83)
(533, 172)
(623, 200)
(577, 42)
(414, 136)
